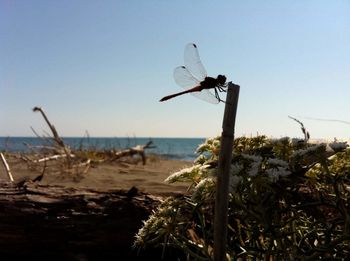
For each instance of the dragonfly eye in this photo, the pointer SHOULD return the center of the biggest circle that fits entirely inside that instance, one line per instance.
(221, 79)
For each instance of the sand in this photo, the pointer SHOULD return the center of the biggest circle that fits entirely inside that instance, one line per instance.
(106, 176)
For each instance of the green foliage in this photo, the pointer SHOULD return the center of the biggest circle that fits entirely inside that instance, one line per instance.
(289, 200)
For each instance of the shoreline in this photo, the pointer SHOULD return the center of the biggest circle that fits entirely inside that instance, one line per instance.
(172, 148)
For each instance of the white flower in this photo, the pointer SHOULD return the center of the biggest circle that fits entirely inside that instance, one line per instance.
(234, 181)
(275, 173)
(254, 169)
(277, 162)
(297, 141)
(254, 165)
(178, 175)
(204, 184)
(312, 149)
(235, 169)
(284, 139)
(338, 146)
(252, 157)
(280, 140)
(186, 173)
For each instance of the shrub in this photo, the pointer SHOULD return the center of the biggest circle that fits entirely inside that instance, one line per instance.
(289, 200)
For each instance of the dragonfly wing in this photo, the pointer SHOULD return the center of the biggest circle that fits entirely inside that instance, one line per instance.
(206, 95)
(193, 62)
(187, 81)
(184, 78)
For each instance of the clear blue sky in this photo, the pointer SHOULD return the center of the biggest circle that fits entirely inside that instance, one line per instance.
(102, 66)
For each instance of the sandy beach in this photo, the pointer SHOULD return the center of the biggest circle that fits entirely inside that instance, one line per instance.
(148, 178)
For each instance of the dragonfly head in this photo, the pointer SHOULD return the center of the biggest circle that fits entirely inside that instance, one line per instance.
(221, 79)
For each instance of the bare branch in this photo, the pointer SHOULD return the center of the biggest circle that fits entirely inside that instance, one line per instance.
(7, 167)
(303, 129)
(52, 128)
(56, 137)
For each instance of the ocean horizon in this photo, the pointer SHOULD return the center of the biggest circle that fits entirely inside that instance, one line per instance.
(172, 148)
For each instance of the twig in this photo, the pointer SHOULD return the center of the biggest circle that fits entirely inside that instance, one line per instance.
(31, 147)
(52, 128)
(303, 129)
(40, 177)
(35, 133)
(56, 137)
(7, 167)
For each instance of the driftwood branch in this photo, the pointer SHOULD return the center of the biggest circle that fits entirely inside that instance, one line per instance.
(7, 167)
(52, 128)
(303, 129)
(54, 157)
(139, 149)
(56, 137)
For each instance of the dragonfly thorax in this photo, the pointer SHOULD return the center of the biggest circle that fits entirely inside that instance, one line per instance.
(221, 79)
(210, 82)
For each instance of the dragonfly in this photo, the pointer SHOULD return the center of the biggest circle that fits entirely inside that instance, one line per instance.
(193, 78)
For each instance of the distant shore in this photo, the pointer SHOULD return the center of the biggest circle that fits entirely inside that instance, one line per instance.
(171, 148)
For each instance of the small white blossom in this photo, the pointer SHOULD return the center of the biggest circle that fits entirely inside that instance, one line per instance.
(186, 173)
(254, 169)
(297, 141)
(252, 157)
(235, 169)
(302, 152)
(275, 173)
(284, 139)
(280, 141)
(234, 181)
(255, 164)
(338, 146)
(278, 162)
(178, 175)
(204, 184)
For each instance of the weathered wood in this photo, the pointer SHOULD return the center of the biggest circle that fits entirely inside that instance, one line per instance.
(222, 185)
(56, 137)
(139, 149)
(7, 167)
(54, 157)
(39, 222)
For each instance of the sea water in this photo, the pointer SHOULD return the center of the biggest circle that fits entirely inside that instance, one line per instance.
(172, 148)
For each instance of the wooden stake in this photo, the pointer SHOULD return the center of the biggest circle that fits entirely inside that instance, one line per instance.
(7, 167)
(222, 183)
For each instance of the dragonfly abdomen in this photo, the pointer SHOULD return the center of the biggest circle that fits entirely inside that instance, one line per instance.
(195, 89)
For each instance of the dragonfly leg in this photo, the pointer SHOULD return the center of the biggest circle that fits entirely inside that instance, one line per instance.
(217, 96)
(221, 88)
